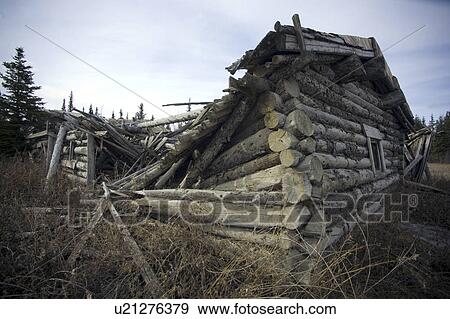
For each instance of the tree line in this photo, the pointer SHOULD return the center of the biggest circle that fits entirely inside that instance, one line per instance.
(441, 126)
(21, 110)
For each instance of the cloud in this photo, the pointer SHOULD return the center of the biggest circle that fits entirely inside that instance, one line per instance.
(174, 50)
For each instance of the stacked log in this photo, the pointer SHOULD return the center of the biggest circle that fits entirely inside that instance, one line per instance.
(75, 156)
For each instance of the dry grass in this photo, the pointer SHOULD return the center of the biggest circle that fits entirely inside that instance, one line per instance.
(375, 261)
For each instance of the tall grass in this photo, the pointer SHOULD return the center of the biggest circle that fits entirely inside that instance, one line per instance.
(374, 261)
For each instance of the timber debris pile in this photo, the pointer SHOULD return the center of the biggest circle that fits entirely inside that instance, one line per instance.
(315, 113)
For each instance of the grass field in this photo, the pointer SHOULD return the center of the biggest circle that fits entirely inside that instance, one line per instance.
(376, 261)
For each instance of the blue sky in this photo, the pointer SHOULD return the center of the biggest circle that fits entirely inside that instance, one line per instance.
(170, 51)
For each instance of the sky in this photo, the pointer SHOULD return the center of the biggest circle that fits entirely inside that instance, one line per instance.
(170, 51)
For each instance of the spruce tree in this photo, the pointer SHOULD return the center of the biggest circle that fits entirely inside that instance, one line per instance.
(70, 106)
(140, 115)
(91, 111)
(20, 107)
(96, 111)
(112, 115)
(120, 114)
(64, 105)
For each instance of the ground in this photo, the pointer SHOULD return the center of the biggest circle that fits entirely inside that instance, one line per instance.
(376, 261)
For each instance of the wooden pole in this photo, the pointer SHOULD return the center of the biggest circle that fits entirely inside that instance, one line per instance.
(54, 162)
(91, 159)
(50, 147)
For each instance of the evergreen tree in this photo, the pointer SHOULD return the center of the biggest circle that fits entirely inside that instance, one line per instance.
(120, 114)
(112, 115)
(91, 111)
(417, 123)
(70, 106)
(96, 111)
(140, 115)
(127, 115)
(20, 108)
(441, 143)
(83, 108)
(64, 105)
(431, 120)
(153, 117)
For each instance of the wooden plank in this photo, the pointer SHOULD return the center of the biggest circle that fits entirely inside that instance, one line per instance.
(298, 32)
(54, 162)
(372, 132)
(50, 147)
(412, 164)
(91, 159)
(372, 161)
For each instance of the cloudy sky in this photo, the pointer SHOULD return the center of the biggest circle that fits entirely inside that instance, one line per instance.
(170, 51)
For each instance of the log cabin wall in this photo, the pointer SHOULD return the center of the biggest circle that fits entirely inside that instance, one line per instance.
(79, 157)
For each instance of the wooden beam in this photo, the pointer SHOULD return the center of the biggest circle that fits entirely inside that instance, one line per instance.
(54, 162)
(298, 32)
(91, 159)
(412, 164)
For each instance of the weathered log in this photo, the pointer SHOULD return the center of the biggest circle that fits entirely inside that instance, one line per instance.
(248, 149)
(142, 180)
(53, 167)
(349, 69)
(281, 140)
(296, 186)
(239, 171)
(163, 179)
(363, 94)
(269, 198)
(319, 87)
(298, 32)
(333, 133)
(250, 85)
(243, 214)
(291, 66)
(298, 123)
(322, 117)
(75, 164)
(290, 158)
(282, 238)
(307, 145)
(287, 88)
(348, 149)
(265, 179)
(331, 161)
(269, 101)
(274, 120)
(91, 146)
(392, 99)
(311, 165)
(171, 119)
(75, 178)
(247, 128)
(50, 146)
(75, 135)
(221, 137)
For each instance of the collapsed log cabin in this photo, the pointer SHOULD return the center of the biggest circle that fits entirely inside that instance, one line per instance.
(315, 113)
